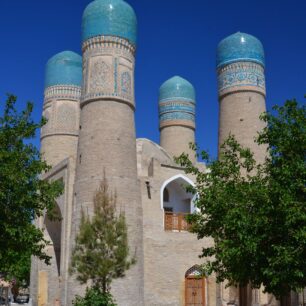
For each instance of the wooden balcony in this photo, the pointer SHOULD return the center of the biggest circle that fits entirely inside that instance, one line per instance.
(176, 222)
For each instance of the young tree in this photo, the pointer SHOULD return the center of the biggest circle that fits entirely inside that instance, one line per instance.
(256, 214)
(94, 297)
(23, 195)
(101, 253)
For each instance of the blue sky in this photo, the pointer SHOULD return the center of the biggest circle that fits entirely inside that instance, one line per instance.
(174, 38)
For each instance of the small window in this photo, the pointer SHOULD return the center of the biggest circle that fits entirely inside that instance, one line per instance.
(166, 195)
(168, 209)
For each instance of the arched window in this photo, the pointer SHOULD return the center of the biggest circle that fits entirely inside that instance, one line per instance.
(177, 203)
(166, 195)
(195, 287)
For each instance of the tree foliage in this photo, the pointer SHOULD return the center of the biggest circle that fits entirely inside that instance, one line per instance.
(94, 297)
(101, 253)
(23, 195)
(256, 214)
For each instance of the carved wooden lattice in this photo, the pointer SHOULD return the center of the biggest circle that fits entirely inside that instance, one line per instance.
(176, 222)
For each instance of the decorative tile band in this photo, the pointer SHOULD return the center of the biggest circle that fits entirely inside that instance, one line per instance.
(67, 92)
(108, 50)
(116, 75)
(126, 83)
(240, 77)
(106, 96)
(108, 70)
(108, 42)
(62, 118)
(176, 116)
(176, 106)
(174, 112)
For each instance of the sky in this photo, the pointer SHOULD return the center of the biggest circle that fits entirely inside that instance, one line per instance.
(175, 37)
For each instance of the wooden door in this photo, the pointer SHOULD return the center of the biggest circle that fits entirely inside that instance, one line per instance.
(194, 291)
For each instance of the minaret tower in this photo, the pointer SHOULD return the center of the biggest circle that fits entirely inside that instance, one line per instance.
(177, 116)
(63, 78)
(107, 141)
(59, 139)
(241, 84)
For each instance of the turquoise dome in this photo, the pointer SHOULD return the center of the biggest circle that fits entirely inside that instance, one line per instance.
(240, 47)
(64, 68)
(176, 87)
(109, 17)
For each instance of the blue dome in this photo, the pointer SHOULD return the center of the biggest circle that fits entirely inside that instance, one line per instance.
(176, 87)
(64, 68)
(240, 47)
(109, 17)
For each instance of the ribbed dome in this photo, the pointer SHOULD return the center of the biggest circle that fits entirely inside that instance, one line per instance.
(176, 87)
(240, 47)
(64, 68)
(109, 17)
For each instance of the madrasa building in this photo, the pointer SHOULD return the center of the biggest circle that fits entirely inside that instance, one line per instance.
(89, 103)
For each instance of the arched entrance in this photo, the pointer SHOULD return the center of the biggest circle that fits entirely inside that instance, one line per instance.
(176, 203)
(195, 287)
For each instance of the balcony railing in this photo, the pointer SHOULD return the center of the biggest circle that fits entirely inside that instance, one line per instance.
(176, 222)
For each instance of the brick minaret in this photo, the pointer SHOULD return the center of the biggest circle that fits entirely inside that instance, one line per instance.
(177, 116)
(107, 141)
(242, 93)
(241, 85)
(59, 137)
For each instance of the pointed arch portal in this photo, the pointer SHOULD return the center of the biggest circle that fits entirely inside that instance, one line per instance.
(176, 202)
(195, 287)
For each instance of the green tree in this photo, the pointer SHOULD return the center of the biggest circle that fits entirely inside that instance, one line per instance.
(23, 195)
(94, 297)
(101, 253)
(256, 214)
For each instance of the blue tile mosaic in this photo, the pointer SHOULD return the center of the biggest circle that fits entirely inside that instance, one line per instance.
(176, 87)
(116, 75)
(166, 108)
(240, 47)
(109, 17)
(64, 68)
(241, 75)
(126, 83)
(176, 116)
(176, 100)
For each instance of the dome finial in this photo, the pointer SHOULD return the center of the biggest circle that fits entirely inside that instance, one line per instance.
(64, 68)
(240, 47)
(177, 87)
(109, 18)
